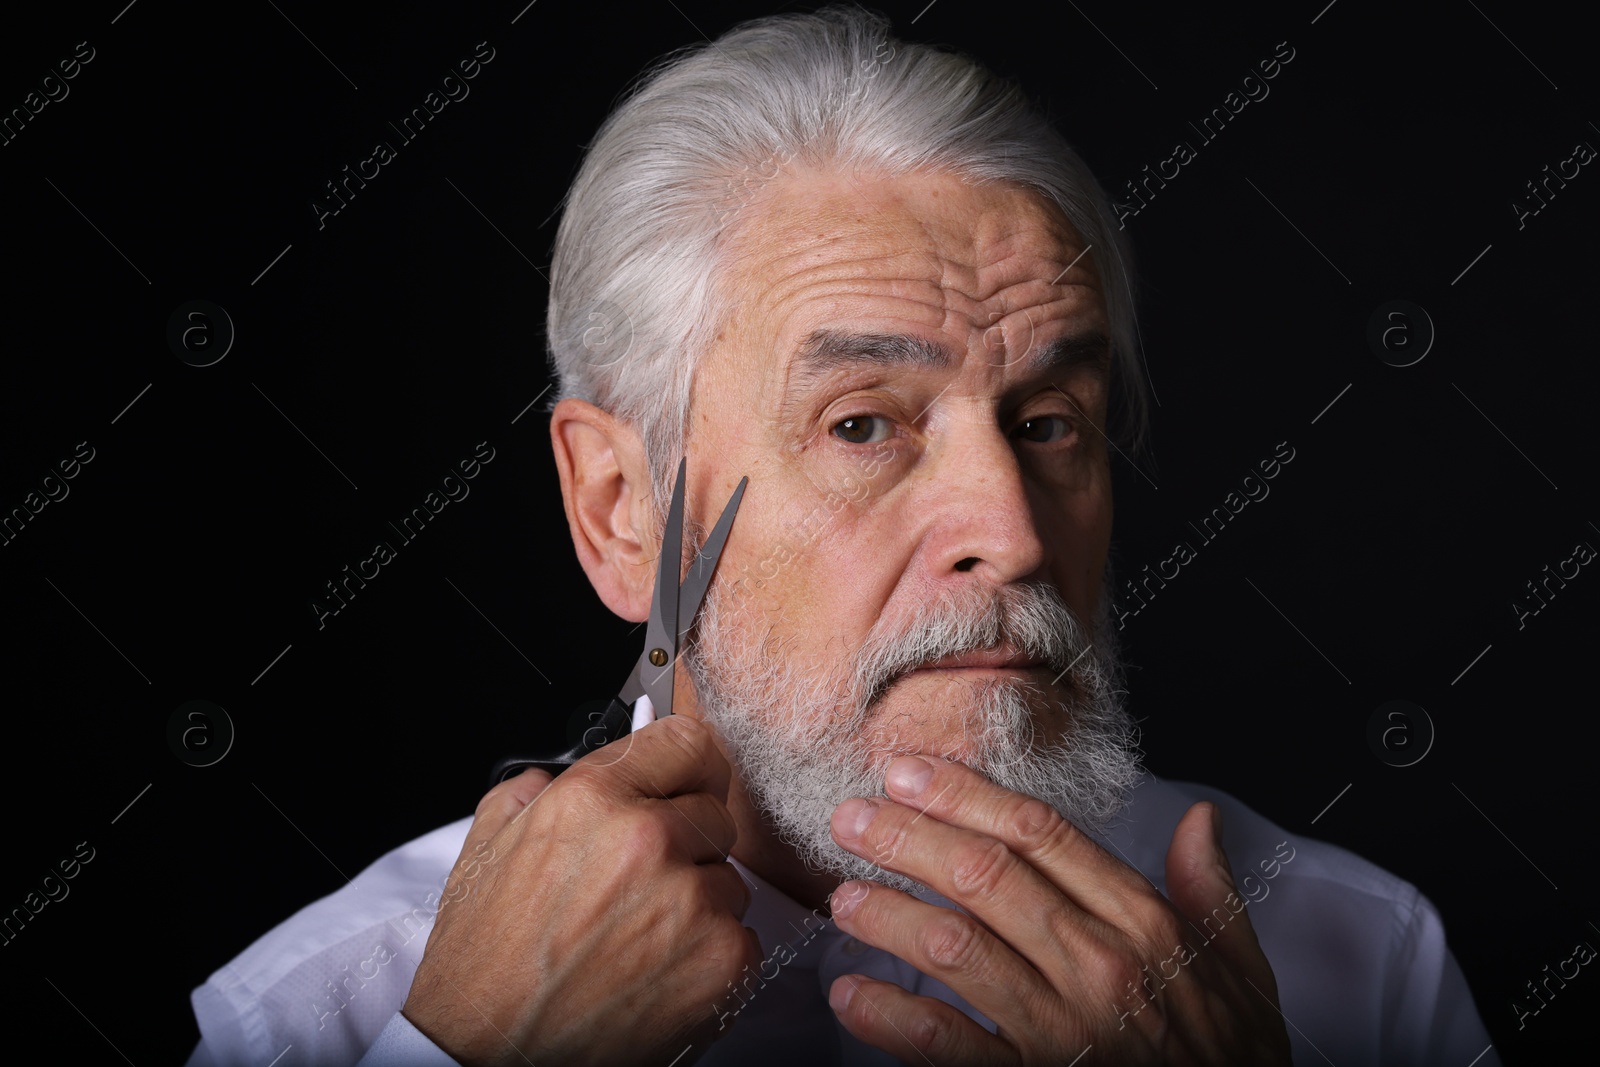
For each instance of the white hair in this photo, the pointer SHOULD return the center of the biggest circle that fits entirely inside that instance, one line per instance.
(807, 737)
(634, 280)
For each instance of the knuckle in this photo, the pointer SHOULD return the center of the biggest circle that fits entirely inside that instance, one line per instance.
(730, 943)
(980, 867)
(1117, 969)
(612, 754)
(1118, 972)
(687, 733)
(583, 801)
(1159, 930)
(1171, 926)
(638, 837)
(884, 843)
(693, 902)
(527, 786)
(498, 801)
(584, 786)
(1064, 928)
(1034, 824)
(950, 941)
(929, 1031)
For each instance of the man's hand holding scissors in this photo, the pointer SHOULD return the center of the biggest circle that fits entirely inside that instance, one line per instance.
(607, 918)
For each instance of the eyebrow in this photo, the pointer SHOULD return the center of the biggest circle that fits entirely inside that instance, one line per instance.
(826, 351)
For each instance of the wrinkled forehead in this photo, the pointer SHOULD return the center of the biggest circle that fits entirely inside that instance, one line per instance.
(809, 217)
(932, 248)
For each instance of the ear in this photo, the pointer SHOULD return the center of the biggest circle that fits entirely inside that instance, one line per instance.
(605, 488)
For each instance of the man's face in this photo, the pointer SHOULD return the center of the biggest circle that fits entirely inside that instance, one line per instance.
(915, 379)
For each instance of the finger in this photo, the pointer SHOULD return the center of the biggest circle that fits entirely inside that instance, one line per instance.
(504, 803)
(1096, 881)
(677, 754)
(1200, 885)
(954, 948)
(727, 890)
(498, 808)
(917, 1030)
(517, 791)
(698, 825)
(1002, 891)
(972, 868)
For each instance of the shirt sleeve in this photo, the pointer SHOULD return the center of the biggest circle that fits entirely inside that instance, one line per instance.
(402, 1045)
(201, 1056)
(1430, 1016)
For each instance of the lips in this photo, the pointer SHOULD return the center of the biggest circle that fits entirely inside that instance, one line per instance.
(994, 659)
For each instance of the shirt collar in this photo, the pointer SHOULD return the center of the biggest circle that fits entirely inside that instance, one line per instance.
(809, 933)
(777, 918)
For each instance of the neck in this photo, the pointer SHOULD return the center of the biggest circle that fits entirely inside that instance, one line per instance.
(760, 848)
(758, 845)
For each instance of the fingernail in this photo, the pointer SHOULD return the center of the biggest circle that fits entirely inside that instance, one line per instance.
(852, 821)
(1216, 832)
(846, 898)
(843, 991)
(909, 775)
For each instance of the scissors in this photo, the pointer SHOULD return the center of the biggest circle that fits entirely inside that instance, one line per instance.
(647, 694)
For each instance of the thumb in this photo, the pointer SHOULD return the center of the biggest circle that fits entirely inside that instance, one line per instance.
(1200, 885)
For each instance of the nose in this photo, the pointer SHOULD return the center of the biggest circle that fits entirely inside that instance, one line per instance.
(979, 518)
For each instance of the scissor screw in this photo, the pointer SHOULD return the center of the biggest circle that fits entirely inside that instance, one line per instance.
(658, 656)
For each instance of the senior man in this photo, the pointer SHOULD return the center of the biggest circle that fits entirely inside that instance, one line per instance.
(899, 814)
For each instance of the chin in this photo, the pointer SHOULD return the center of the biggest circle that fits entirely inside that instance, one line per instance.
(942, 713)
(955, 747)
(807, 738)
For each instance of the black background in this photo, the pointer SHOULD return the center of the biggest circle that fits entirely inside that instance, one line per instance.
(409, 329)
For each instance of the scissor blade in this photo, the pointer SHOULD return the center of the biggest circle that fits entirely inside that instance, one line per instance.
(698, 580)
(633, 688)
(655, 668)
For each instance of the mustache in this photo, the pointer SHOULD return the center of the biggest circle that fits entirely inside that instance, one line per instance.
(1031, 619)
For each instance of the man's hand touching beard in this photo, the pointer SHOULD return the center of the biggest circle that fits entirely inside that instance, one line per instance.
(1062, 945)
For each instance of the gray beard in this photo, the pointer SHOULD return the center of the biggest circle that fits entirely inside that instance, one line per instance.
(805, 740)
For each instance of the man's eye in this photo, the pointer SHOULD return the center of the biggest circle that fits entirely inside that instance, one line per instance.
(862, 429)
(1045, 429)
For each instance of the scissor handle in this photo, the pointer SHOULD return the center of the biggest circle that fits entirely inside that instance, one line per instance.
(592, 726)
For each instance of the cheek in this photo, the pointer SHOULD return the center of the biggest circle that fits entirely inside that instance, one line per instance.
(1097, 533)
(807, 541)
(818, 570)
(1082, 524)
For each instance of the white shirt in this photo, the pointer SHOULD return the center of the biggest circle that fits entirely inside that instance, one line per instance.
(1364, 974)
